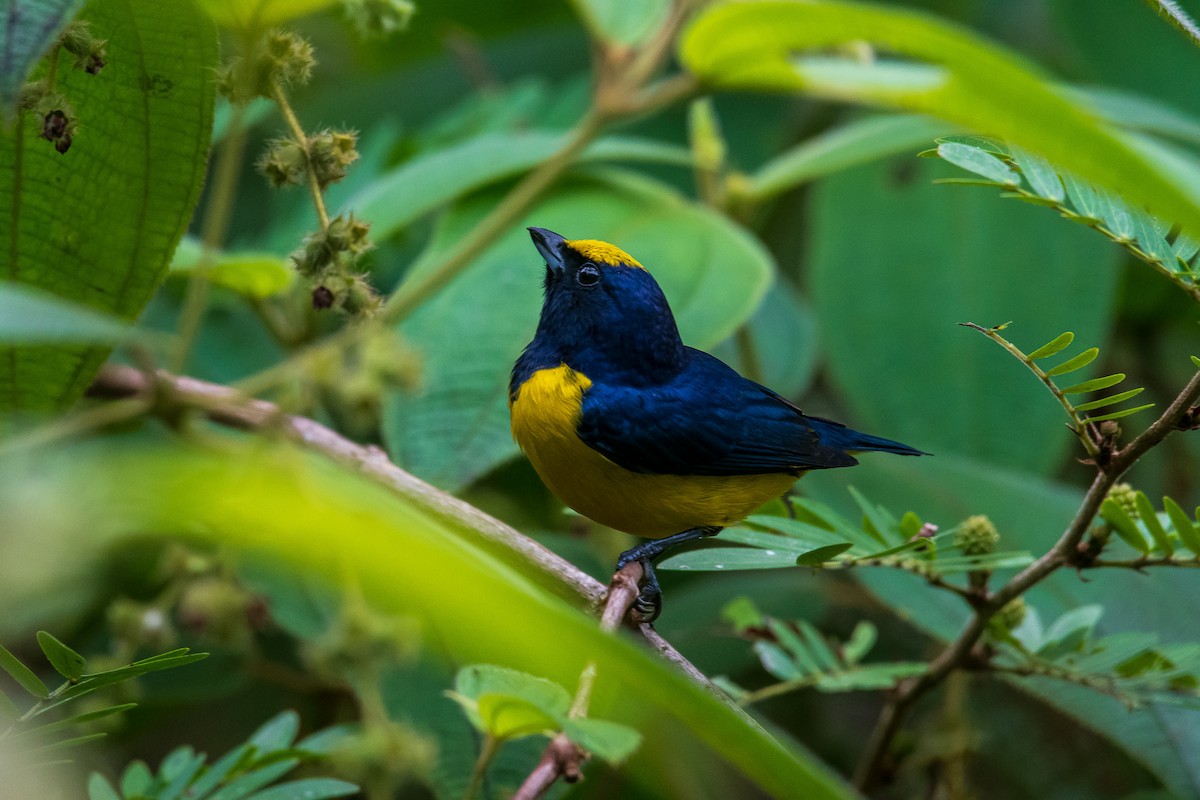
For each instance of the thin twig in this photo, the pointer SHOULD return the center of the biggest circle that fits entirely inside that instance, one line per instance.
(958, 653)
(562, 757)
(301, 139)
(226, 406)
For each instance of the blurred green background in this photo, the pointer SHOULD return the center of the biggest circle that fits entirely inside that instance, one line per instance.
(843, 293)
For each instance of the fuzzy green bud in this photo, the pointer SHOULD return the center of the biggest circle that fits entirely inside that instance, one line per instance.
(90, 54)
(283, 163)
(330, 153)
(386, 753)
(1126, 497)
(363, 638)
(290, 57)
(976, 536)
(379, 18)
(1012, 614)
(218, 608)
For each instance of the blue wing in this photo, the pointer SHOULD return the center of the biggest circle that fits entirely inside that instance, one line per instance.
(710, 420)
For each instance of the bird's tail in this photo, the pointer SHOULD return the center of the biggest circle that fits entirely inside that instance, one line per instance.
(853, 441)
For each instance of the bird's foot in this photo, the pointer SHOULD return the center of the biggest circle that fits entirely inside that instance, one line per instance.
(648, 604)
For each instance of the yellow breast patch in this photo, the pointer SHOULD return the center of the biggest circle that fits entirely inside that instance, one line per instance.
(603, 253)
(546, 412)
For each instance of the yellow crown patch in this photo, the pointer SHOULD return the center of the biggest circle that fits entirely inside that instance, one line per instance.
(603, 253)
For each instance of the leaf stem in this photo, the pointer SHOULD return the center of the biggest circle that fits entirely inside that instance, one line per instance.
(216, 225)
(301, 139)
(487, 752)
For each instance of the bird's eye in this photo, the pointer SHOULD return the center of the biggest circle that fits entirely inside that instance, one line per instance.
(588, 275)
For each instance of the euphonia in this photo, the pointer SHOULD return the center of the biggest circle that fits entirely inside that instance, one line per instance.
(634, 429)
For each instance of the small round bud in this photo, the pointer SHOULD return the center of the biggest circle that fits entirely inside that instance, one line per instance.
(89, 52)
(976, 536)
(1013, 614)
(1126, 497)
(290, 57)
(217, 608)
(63, 144)
(54, 125)
(284, 163)
(330, 153)
(361, 299)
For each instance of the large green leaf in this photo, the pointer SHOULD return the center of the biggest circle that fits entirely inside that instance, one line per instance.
(302, 511)
(31, 315)
(1031, 513)
(897, 262)
(948, 72)
(456, 427)
(27, 29)
(97, 224)
(431, 181)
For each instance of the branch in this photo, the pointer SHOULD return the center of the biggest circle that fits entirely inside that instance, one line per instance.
(562, 757)
(164, 394)
(957, 654)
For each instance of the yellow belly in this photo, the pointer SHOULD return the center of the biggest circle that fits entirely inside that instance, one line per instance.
(545, 416)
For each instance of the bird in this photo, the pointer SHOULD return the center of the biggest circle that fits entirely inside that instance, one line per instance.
(637, 431)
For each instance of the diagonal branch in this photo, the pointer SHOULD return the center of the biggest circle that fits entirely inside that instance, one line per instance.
(166, 394)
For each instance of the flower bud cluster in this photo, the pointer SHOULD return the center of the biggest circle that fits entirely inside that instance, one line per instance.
(281, 58)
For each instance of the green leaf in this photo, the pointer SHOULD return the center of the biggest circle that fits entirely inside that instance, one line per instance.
(313, 517)
(1054, 346)
(1185, 529)
(253, 275)
(1095, 384)
(252, 15)
(1068, 632)
(8, 709)
(28, 28)
(22, 674)
(245, 784)
(32, 316)
(1118, 217)
(90, 683)
(822, 554)
(1042, 177)
(1075, 362)
(67, 744)
(1119, 414)
(456, 427)
(861, 640)
(622, 23)
(917, 360)
(1109, 401)
(78, 719)
(220, 770)
(609, 741)
(950, 72)
(507, 703)
(431, 181)
(742, 614)
(136, 778)
(1149, 518)
(100, 789)
(122, 195)
(307, 789)
(980, 162)
(68, 663)
(277, 733)
(179, 769)
(1116, 515)
(778, 662)
(857, 142)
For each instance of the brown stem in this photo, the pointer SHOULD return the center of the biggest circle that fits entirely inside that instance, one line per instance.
(562, 757)
(958, 652)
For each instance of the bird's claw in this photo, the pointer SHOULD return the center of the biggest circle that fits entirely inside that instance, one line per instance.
(648, 604)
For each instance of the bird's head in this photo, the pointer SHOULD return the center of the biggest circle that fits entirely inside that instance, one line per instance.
(600, 299)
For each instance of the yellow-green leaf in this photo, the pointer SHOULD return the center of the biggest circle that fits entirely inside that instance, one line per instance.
(250, 15)
(1115, 515)
(1150, 519)
(1055, 345)
(951, 73)
(1075, 362)
(1185, 529)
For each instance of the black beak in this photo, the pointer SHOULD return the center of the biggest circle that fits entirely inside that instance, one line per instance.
(550, 245)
